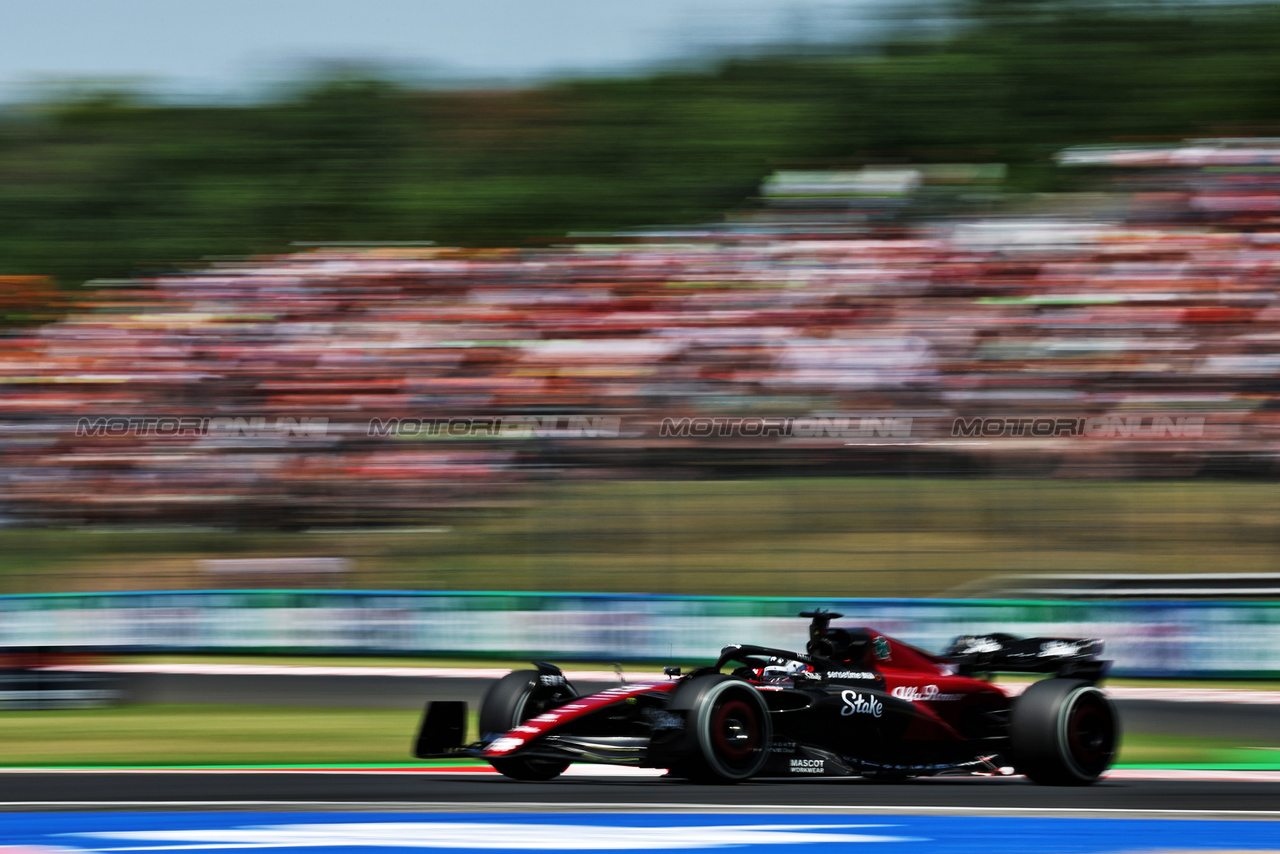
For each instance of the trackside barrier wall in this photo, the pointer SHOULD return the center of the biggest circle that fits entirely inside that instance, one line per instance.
(1145, 638)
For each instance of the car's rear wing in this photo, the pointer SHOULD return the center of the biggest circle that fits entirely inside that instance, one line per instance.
(1001, 653)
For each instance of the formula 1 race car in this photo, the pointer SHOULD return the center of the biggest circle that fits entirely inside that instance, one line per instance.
(855, 703)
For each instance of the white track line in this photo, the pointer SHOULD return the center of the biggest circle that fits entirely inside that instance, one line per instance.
(1173, 695)
(1202, 774)
(309, 670)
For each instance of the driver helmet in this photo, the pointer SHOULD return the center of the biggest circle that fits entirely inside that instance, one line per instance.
(781, 670)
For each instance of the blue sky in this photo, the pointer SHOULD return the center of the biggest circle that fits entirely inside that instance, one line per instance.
(233, 47)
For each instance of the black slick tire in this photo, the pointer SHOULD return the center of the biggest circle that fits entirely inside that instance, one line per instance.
(509, 702)
(727, 731)
(1063, 732)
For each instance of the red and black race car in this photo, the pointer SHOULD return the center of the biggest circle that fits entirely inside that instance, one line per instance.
(855, 703)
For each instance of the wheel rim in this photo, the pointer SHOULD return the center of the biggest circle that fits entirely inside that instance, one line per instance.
(1089, 734)
(735, 730)
(527, 708)
(531, 706)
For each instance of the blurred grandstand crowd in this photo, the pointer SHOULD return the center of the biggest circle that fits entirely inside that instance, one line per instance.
(1159, 301)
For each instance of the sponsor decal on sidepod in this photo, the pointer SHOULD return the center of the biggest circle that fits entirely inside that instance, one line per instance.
(927, 693)
(860, 704)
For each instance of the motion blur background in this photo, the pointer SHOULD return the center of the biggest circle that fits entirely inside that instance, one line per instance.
(699, 298)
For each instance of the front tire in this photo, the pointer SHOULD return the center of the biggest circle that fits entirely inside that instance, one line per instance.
(509, 702)
(728, 731)
(1063, 732)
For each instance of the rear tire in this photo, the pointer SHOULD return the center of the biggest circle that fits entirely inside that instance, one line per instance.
(1063, 732)
(509, 702)
(728, 731)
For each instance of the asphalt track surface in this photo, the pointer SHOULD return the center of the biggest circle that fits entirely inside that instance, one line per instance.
(488, 792)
